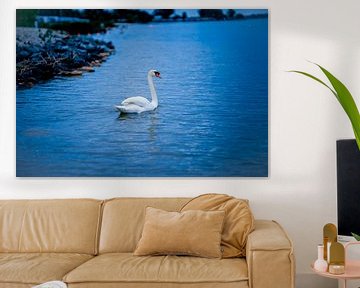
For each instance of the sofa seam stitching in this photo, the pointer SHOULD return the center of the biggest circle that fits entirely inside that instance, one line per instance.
(98, 229)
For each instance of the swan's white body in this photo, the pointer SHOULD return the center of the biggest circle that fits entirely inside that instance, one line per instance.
(140, 104)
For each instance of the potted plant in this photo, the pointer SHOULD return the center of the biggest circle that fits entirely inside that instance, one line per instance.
(346, 100)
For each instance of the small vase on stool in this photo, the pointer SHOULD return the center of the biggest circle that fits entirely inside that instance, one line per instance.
(320, 264)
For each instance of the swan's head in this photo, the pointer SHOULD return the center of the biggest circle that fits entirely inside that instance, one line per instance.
(154, 73)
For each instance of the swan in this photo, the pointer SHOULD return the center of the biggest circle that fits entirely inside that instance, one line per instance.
(140, 104)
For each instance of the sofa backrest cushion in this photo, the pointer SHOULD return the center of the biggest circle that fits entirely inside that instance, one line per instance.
(123, 220)
(239, 220)
(66, 226)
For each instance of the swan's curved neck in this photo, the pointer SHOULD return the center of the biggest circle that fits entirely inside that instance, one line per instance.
(154, 99)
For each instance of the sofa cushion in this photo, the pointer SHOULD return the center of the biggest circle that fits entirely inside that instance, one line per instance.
(239, 220)
(36, 268)
(123, 220)
(193, 232)
(63, 226)
(126, 268)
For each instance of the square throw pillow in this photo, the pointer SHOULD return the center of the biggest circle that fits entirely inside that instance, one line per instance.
(193, 232)
(238, 223)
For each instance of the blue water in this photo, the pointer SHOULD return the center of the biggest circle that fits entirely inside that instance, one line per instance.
(212, 118)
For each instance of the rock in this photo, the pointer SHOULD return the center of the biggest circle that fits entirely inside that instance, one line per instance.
(61, 48)
(64, 55)
(71, 73)
(81, 46)
(104, 54)
(96, 64)
(110, 45)
(90, 47)
(81, 51)
(33, 48)
(87, 69)
(78, 61)
(36, 57)
(23, 54)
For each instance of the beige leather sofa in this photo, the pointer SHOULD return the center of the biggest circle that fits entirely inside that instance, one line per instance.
(89, 243)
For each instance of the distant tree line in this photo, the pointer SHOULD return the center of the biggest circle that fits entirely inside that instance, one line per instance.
(218, 14)
(130, 15)
(101, 19)
(127, 15)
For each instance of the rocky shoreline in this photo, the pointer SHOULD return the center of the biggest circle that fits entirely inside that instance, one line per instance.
(43, 54)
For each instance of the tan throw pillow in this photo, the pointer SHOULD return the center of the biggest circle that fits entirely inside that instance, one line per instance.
(239, 220)
(196, 233)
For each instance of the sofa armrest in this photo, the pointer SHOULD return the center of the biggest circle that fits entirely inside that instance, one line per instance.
(269, 256)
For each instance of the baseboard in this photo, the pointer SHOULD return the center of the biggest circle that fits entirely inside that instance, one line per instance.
(310, 280)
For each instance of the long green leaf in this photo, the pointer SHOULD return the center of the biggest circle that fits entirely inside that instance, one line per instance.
(356, 236)
(347, 102)
(344, 97)
(316, 79)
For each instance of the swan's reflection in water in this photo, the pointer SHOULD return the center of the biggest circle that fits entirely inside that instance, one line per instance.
(150, 118)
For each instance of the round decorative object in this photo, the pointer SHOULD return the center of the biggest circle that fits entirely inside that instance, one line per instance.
(336, 269)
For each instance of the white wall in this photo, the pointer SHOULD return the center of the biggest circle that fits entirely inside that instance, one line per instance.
(305, 121)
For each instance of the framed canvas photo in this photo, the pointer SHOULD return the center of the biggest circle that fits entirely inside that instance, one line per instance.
(142, 93)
